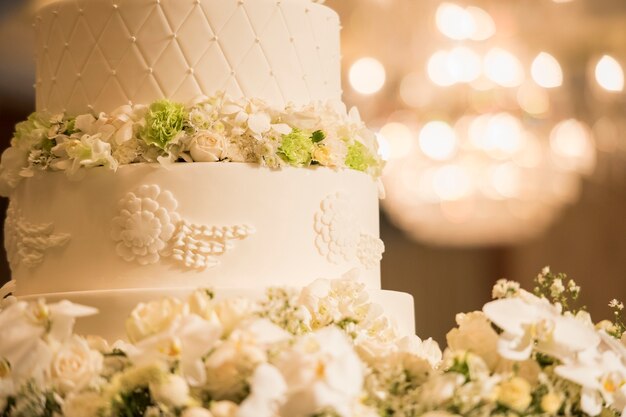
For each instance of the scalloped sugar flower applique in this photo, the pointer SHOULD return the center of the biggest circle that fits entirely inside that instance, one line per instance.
(149, 228)
(146, 222)
(339, 238)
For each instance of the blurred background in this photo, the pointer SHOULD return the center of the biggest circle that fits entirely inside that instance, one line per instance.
(504, 126)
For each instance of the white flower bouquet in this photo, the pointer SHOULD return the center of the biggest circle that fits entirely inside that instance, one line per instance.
(323, 351)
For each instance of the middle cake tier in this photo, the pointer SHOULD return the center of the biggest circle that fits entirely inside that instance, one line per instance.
(188, 225)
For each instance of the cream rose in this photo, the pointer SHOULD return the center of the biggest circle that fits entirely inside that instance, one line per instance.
(224, 409)
(515, 394)
(475, 335)
(151, 318)
(172, 391)
(232, 311)
(201, 302)
(75, 365)
(87, 404)
(196, 412)
(208, 146)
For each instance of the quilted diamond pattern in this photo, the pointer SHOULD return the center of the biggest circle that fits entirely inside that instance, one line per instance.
(100, 54)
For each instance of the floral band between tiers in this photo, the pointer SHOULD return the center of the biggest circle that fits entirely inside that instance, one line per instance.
(209, 130)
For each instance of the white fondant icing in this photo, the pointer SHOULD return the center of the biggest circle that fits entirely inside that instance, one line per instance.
(339, 239)
(26, 243)
(144, 50)
(280, 204)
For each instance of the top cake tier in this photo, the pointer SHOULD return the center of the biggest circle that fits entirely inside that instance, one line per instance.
(97, 55)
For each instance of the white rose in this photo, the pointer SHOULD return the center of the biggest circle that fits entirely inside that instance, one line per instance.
(75, 365)
(428, 349)
(232, 311)
(196, 412)
(87, 404)
(208, 147)
(224, 409)
(151, 318)
(200, 302)
(475, 335)
(172, 391)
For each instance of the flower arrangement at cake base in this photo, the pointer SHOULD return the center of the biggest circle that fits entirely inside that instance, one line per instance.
(323, 351)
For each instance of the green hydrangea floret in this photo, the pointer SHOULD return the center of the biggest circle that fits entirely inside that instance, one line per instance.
(359, 157)
(164, 121)
(297, 148)
(32, 131)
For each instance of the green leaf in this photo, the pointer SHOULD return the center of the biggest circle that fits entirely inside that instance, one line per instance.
(318, 136)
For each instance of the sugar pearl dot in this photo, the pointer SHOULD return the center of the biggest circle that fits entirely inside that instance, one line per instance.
(115, 6)
(133, 39)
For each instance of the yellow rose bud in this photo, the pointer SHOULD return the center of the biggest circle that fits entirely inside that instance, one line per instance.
(515, 394)
(322, 155)
(551, 402)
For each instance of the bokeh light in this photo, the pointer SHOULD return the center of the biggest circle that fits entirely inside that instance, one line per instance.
(503, 68)
(437, 69)
(572, 143)
(367, 76)
(609, 74)
(463, 64)
(399, 139)
(546, 71)
(438, 140)
(484, 26)
(454, 21)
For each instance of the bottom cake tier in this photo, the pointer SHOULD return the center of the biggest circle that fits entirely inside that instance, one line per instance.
(115, 306)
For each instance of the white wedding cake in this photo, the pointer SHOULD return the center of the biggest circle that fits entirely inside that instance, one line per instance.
(280, 187)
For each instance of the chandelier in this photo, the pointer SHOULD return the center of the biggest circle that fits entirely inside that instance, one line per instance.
(498, 161)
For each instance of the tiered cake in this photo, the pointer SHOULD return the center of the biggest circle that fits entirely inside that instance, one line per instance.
(154, 226)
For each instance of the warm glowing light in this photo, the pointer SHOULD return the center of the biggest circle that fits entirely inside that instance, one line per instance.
(546, 71)
(484, 26)
(437, 140)
(506, 179)
(533, 99)
(399, 139)
(609, 74)
(504, 134)
(452, 182)
(415, 90)
(503, 68)
(571, 141)
(463, 64)
(500, 135)
(438, 69)
(454, 21)
(367, 76)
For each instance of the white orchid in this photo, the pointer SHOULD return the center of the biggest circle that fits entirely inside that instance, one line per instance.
(187, 340)
(602, 378)
(529, 322)
(30, 331)
(322, 371)
(268, 389)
